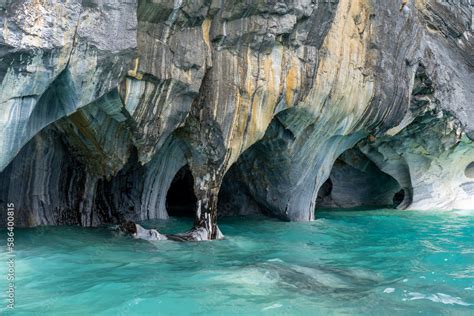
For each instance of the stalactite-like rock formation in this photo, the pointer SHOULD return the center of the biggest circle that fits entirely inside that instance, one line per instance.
(270, 106)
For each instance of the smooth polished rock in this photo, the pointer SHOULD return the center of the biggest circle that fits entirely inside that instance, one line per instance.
(259, 99)
(57, 57)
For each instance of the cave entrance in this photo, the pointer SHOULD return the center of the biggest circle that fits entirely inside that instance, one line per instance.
(356, 182)
(324, 192)
(180, 199)
(398, 198)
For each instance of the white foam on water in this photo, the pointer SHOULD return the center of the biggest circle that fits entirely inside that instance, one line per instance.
(438, 298)
(364, 274)
(389, 290)
(322, 277)
(256, 281)
(272, 307)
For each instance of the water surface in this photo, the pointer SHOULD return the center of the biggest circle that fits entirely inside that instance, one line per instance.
(381, 262)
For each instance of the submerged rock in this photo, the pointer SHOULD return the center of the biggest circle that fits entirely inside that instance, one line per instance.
(148, 234)
(101, 105)
(139, 232)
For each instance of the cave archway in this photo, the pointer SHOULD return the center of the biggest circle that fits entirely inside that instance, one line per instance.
(356, 181)
(180, 199)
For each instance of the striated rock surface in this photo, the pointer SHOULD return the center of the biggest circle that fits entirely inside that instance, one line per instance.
(57, 57)
(270, 106)
(356, 181)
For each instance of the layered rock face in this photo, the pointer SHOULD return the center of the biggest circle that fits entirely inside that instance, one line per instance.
(256, 103)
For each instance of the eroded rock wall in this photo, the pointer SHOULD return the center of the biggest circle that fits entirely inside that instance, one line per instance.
(259, 98)
(57, 56)
(355, 181)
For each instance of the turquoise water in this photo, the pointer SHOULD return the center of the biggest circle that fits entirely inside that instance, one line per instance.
(358, 262)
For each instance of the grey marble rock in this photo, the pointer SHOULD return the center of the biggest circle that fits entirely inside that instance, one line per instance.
(102, 103)
(355, 181)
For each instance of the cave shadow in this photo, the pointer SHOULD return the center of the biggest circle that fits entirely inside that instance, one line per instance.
(356, 183)
(180, 199)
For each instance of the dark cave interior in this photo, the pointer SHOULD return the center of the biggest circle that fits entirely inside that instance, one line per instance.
(180, 199)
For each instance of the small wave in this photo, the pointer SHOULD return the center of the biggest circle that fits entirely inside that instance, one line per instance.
(438, 298)
(272, 307)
